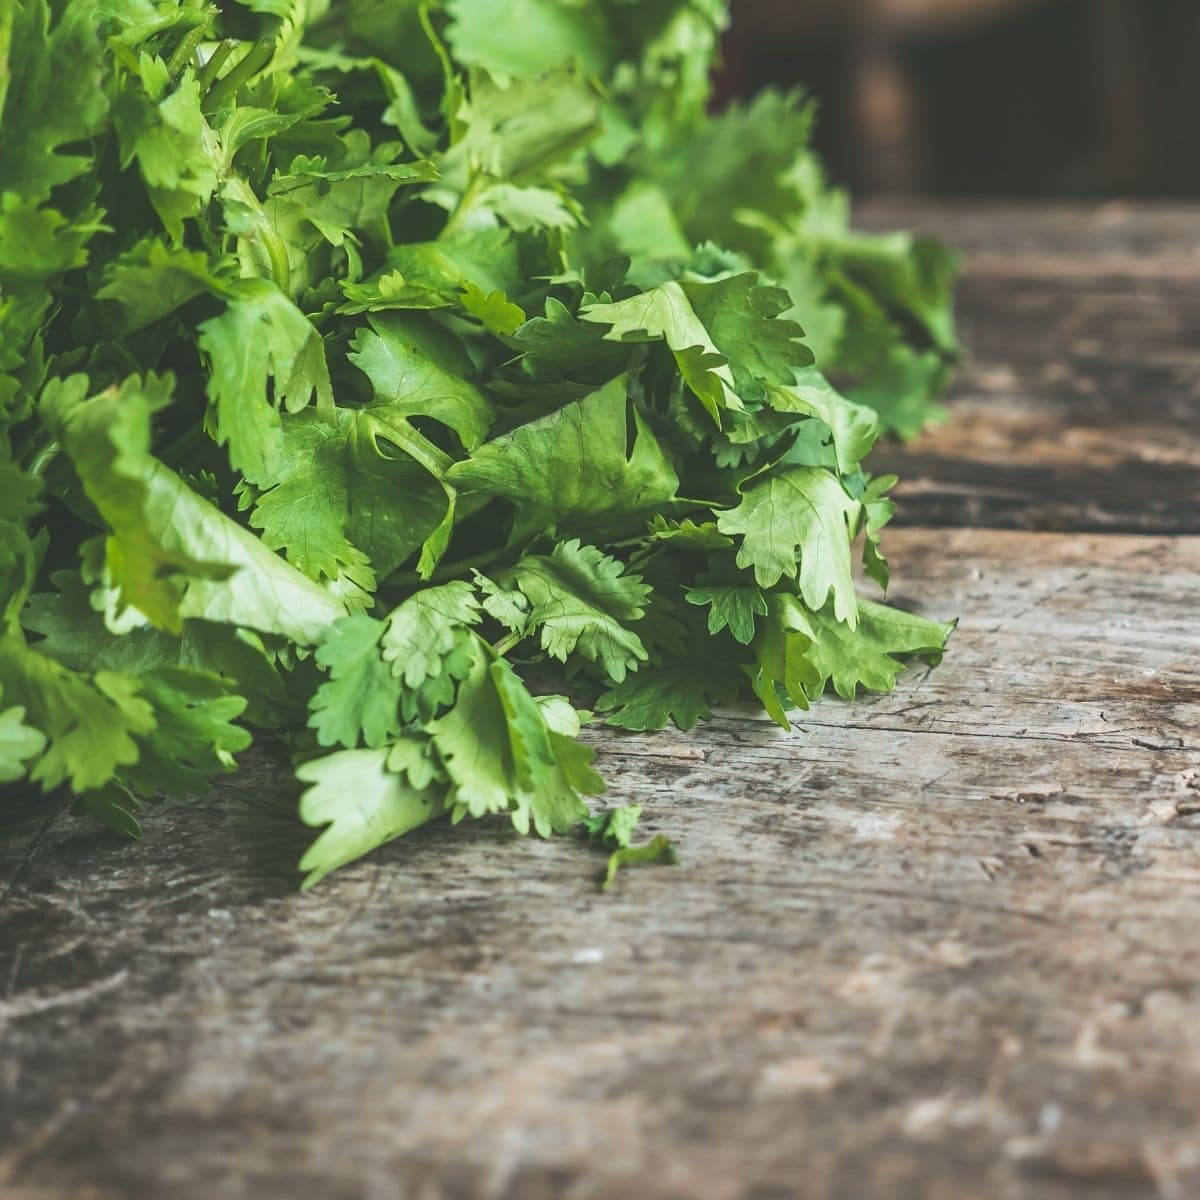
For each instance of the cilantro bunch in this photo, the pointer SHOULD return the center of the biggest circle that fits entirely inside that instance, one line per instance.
(376, 375)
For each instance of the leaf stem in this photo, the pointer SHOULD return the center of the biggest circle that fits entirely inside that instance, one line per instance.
(475, 185)
(277, 255)
(42, 457)
(188, 45)
(506, 643)
(216, 61)
(250, 64)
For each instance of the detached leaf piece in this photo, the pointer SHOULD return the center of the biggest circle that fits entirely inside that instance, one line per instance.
(411, 381)
(615, 828)
(659, 849)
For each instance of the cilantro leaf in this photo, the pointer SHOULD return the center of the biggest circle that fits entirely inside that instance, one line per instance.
(416, 371)
(727, 335)
(658, 850)
(520, 133)
(783, 669)
(50, 95)
(261, 338)
(557, 345)
(873, 656)
(164, 131)
(613, 826)
(194, 735)
(731, 607)
(362, 803)
(656, 696)
(171, 555)
(18, 743)
(154, 279)
(804, 512)
(323, 473)
(90, 724)
(502, 756)
(580, 599)
(853, 427)
(551, 34)
(571, 470)
(361, 697)
(361, 364)
(425, 629)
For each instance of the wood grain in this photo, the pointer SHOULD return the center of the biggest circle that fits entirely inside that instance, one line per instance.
(939, 944)
(1078, 405)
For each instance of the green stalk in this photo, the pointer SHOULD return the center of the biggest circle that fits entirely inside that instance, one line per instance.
(188, 45)
(281, 267)
(251, 63)
(507, 643)
(211, 69)
(475, 186)
(42, 458)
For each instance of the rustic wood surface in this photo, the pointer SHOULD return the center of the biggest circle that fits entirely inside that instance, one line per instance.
(1078, 404)
(940, 944)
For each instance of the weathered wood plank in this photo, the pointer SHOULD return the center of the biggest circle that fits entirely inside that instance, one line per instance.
(1106, 238)
(1078, 406)
(940, 944)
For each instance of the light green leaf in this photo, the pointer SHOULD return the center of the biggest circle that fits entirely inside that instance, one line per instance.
(502, 756)
(550, 770)
(731, 607)
(424, 629)
(362, 803)
(171, 554)
(658, 850)
(18, 744)
(481, 34)
(872, 656)
(261, 341)
(804, 513)
(521, 133)
(571, 470)
(581, 600)
(361, 698)
(614, 826)
(493, 310)
(51, 95)
(854, 427)
(783, 669)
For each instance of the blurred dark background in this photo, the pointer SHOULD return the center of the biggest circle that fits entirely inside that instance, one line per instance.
(1067, 98)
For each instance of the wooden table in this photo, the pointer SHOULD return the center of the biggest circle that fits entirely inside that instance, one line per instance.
(943, 944)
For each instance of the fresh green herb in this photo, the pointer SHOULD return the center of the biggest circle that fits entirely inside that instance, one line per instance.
(367, 367)
(613, 828)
